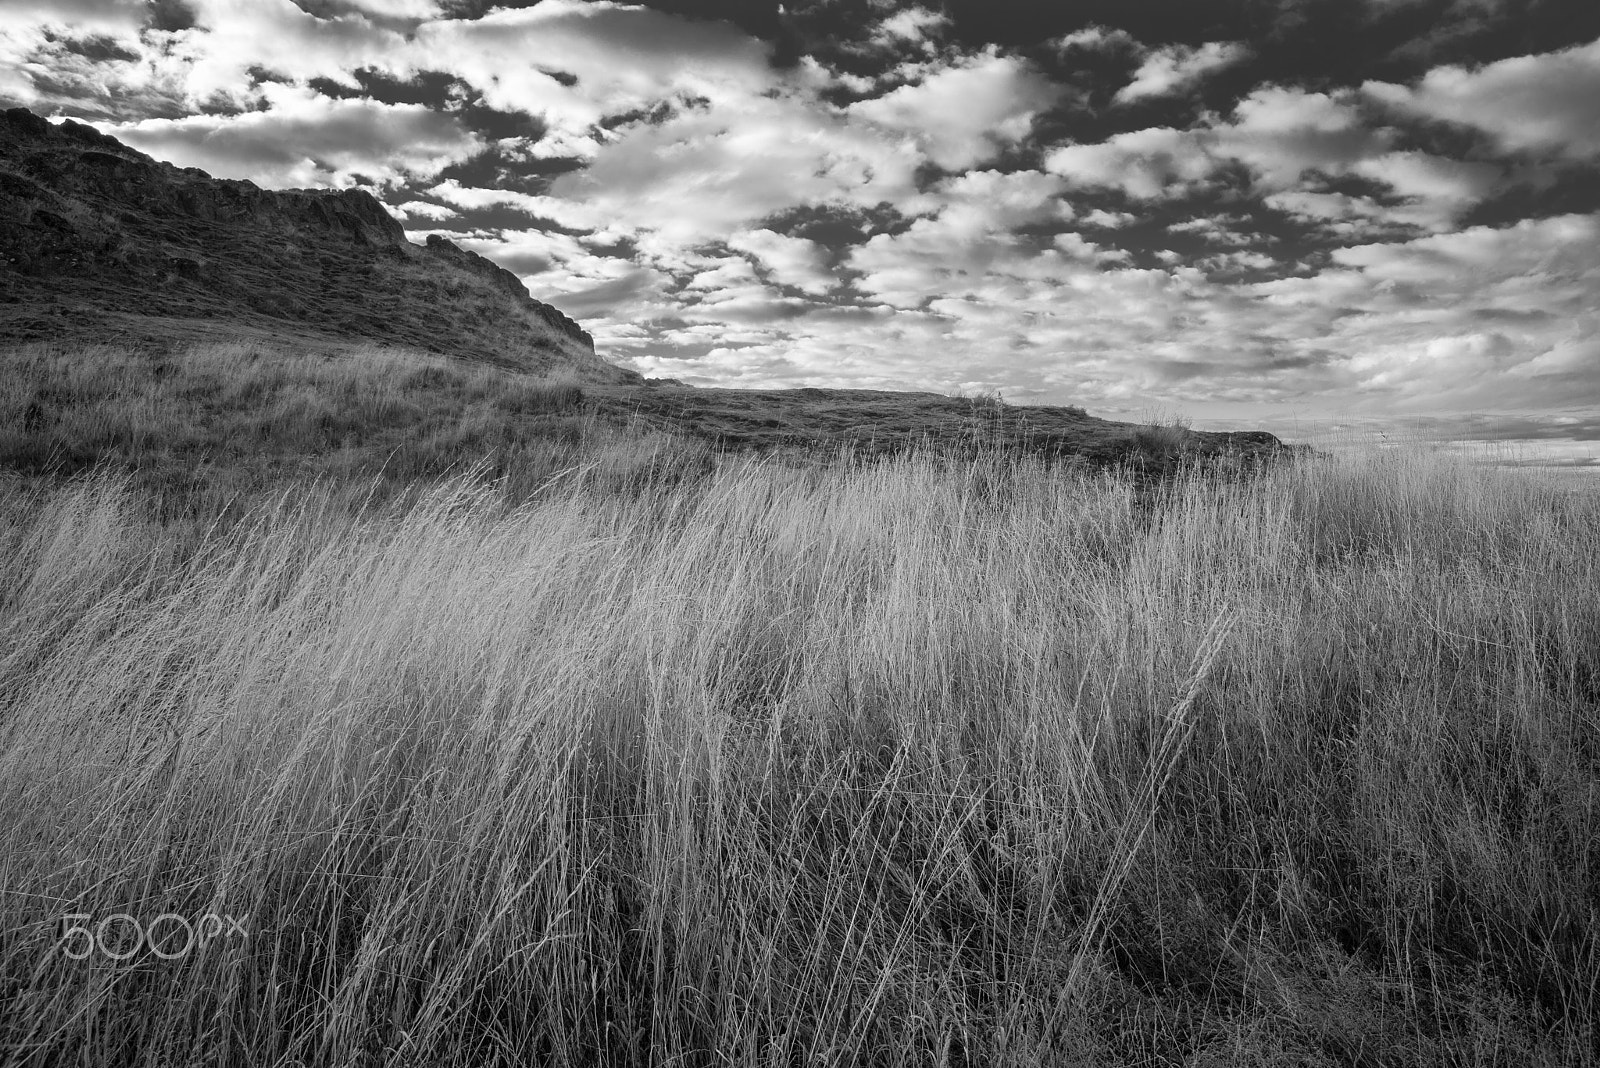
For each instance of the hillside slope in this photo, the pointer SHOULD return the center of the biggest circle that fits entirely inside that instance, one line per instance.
(102, 245)
(99, 241)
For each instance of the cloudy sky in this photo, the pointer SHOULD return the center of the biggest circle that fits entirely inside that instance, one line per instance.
(1250, 211)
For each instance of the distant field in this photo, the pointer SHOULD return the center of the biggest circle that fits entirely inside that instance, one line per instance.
(931, 761)
(1570, 461)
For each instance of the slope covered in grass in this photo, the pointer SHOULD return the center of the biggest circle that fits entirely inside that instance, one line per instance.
(205, 416)
(920, 762)
(209, 421)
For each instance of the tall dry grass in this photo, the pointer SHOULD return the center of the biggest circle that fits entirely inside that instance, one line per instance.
(201, 425)
(915, 763)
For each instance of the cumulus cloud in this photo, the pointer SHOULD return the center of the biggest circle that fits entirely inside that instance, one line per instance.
(793, 261)
(965, 113)
(452, 192)
(1290, 141)
(1110, 220)
(1221, 230)
(81, 16)
(1144, 164)
(394, 9)
(307, 140)
(1282, 133)
(916, 26)
(969, 249)
(1431, 178)
(231, 38)
(1546, 103)
(74, 53)
(1177, 67)
(421, 209)
(210, 59)
(706, 172)
(1096, 39)
(574, 63)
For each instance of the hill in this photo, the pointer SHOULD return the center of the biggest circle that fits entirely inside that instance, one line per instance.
(100, 242)
(100, 245)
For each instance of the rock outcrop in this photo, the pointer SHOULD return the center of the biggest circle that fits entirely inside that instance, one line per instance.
(90, 227)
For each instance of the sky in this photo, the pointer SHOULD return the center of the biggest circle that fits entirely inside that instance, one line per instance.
(1246, 212)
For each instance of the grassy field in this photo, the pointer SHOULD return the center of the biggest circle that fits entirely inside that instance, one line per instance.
(918, 762)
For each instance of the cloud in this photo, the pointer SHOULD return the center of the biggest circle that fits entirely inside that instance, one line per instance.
(793, 261)
(394, 9)
(1096, 39)
(307, 140)
(965, 113)
(477, 198)
(1144, 164)
(916, 26)
(1110, 220)
(969, 249)
(574, 63)
(706, 172)
(1488, 317)
(70, 53)
(1221, 230)
(1291, 142)
(1278, 133)
(213, 60)
(421, 209)
(1431, 178)
(1546, 103)
(83, 17)
(1288, 136)
(207, 55)
(1282, 133)
(568, 62)
(1177, 67)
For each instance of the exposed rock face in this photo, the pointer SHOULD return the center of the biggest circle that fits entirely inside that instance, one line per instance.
(90, 226)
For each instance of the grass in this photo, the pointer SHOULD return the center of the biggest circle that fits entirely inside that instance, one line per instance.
(882, 423)
(920, 762)
(204, 423)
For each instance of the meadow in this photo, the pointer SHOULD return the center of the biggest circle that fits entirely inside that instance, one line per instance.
(652, 757)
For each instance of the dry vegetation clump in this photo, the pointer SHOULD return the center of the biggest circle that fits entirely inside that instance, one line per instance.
(910, 763)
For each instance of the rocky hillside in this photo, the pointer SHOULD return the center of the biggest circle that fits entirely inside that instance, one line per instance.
(99, 240)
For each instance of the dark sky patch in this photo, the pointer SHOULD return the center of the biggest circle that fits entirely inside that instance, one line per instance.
(476, 9)
(650, 116)
(98, 49)
(501, 168)
(837, 226)
(171, 16)
(483, 170)
(439, 90)
(1537, 191)
(345, 9)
